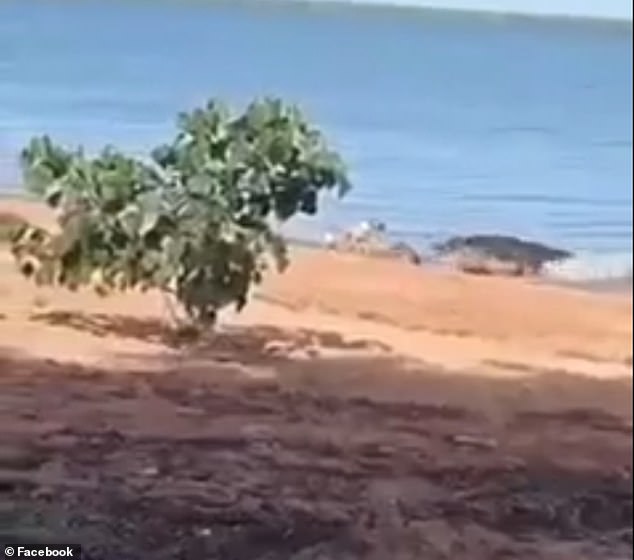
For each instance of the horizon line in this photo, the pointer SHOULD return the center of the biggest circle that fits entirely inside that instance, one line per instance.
(413, 5)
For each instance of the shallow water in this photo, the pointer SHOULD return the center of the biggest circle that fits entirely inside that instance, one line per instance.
(451, 123)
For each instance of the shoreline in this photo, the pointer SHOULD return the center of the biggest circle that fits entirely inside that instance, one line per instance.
(31, 207)
(617, 285)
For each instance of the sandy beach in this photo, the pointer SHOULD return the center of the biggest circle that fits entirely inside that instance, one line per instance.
(358, 408)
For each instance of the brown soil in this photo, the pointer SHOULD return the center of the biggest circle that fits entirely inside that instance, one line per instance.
(359, 409)
(173, 465)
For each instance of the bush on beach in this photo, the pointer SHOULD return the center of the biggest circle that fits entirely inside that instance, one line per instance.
(198, 220)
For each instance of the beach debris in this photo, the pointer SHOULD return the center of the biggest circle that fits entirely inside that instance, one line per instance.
(149, 471)
(364, 237)
(370, 238)
(406, 252)
(481, 442)
(498, 255)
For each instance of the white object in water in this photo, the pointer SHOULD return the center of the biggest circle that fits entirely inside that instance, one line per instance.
(591, 267)
(330, 240)
(361, 231)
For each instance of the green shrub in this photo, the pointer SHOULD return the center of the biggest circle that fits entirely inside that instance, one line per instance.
(199, 219)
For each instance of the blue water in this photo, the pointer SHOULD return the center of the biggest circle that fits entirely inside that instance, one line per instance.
(450, 123)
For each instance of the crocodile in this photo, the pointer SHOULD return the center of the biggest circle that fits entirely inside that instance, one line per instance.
(498, 254)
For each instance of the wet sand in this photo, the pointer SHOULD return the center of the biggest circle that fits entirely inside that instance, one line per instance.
(359, 408)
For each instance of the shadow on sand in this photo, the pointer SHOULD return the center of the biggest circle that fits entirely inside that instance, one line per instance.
(341, 457)
(155, 331)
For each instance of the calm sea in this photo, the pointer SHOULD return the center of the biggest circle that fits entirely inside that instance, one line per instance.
(450, 123)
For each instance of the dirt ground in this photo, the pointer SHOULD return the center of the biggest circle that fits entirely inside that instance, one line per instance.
(358, 409)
